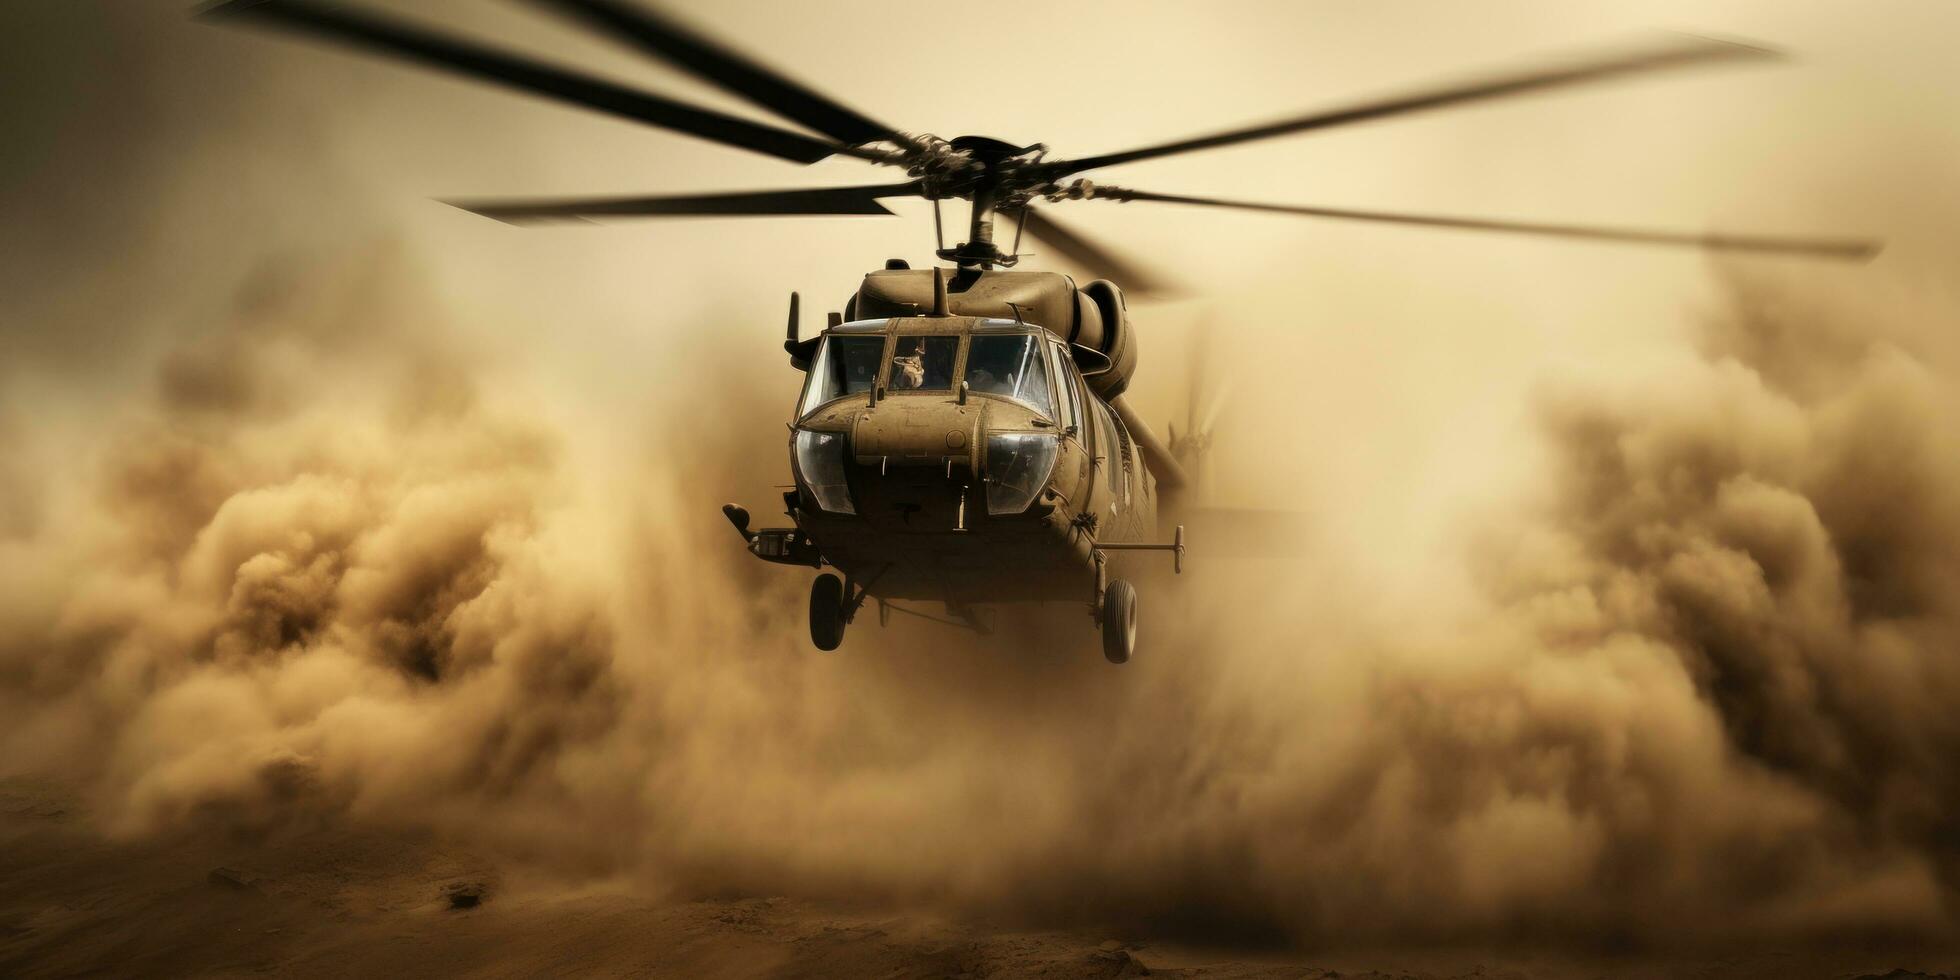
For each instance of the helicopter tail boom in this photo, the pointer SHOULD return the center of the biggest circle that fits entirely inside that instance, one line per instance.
(1170, 475)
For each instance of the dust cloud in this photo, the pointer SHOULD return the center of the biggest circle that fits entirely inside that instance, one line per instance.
(1712, 689)
(313, 551)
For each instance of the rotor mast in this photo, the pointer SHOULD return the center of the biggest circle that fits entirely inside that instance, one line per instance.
(987, 172)
(980, 250)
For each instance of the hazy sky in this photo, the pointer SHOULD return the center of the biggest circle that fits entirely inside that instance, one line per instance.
(154, 158)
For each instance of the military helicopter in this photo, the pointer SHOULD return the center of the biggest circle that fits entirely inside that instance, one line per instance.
(964, 437)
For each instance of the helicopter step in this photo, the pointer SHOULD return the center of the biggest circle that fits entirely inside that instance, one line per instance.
(782, 545)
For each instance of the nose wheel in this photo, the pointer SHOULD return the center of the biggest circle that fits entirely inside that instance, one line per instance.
(834, 602)
(828, 615)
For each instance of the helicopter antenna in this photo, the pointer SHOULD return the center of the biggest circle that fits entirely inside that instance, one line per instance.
(939, 305)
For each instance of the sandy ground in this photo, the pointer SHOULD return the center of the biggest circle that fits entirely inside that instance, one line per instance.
(329, 902)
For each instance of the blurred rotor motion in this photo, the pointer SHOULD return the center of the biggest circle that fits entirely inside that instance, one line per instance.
(994, 175)
(1202, 407)
(1227, 532)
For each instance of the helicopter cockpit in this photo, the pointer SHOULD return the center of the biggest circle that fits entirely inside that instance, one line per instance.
(999, 358)
(1011, 366)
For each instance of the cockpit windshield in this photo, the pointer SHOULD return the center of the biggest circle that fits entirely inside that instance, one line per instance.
(844, 366)
(1009, 365)
(924, 363)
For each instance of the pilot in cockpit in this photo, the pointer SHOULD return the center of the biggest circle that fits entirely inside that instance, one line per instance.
(909, 370)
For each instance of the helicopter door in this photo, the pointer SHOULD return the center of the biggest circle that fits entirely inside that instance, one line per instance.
(1072, 406)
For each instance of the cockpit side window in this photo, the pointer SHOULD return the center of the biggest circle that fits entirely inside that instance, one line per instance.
(1011, 366)
(1078, 397)
(924, 363)
(1069, 404)
(843, 366)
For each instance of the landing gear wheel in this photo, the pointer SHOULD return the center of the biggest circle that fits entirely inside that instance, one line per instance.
(827, 611)
(1119, 621)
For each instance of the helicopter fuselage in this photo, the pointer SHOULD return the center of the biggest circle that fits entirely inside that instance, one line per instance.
(961, 459)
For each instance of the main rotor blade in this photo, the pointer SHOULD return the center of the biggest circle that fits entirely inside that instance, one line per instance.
(1676, 54)
(1136, 279)
(708, 60)
(1827, 248)
(822, 200)
(375, 32)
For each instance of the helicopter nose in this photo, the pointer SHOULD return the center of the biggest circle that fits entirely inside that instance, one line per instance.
(916, 492)
(917, 468)
(936, 436)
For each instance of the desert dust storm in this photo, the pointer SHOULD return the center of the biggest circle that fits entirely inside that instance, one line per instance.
(306, 561)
